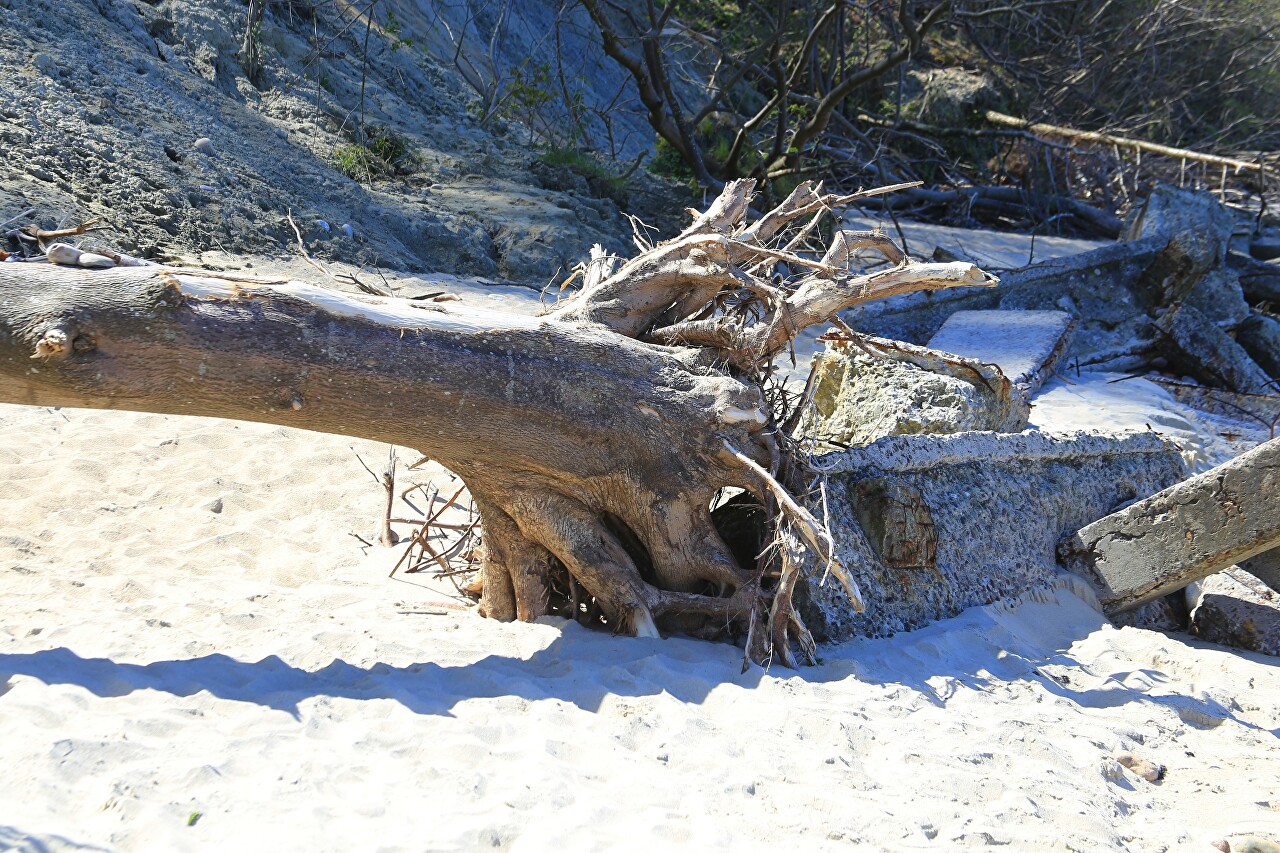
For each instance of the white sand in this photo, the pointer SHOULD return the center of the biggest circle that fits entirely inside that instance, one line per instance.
(174, 678)
(257, 667)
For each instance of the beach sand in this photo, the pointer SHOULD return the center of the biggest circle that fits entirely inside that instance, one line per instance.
(196, 654)
(175, 678)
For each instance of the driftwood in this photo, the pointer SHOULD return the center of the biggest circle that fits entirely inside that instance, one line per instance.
(1189, 531)
(593, 439)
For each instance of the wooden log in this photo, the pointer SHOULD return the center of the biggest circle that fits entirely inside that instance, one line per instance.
(1186, 532)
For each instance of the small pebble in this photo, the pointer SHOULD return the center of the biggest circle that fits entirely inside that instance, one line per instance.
(204, 145)
(1148, 770)
(323, 226)
(1255, 844)
(214, 506)
(348, 230)
(1221, 844)
(208, 188)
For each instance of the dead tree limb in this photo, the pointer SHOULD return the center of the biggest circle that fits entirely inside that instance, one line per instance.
(593, 455)
(1096, 138)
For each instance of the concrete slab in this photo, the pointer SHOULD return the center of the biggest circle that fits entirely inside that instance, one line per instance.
(1025, 345)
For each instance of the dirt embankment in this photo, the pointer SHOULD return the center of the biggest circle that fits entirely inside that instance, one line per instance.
(142, 113)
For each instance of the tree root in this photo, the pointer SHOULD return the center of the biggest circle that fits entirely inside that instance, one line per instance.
(594, 439)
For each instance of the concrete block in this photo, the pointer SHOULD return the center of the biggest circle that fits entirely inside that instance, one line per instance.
(1235, 609)
(1202, 350)
(1260, 337)
(1265, 567)
(1218, 296)
(1201, 526)
(930, 525)
(1259, 281)
(1169, 210)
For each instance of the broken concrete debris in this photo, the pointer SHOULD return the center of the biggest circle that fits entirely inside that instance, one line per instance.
(1189, 531)
(1188, 271)
(1128, 298)
(1176, 269)
(1166, 613)
(1170, 210)
(1200, 349)
(878, 387)
(1265, 567)
(1236, 609)
(968, 519)
(1218, 296)
(1025, 345)
(1260, 282)
(1095, 287)
(1259, 334)
(920, 502)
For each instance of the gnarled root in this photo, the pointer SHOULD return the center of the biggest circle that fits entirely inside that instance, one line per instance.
(661, 567)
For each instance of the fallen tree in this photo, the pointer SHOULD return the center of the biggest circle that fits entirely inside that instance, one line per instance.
(593, 438)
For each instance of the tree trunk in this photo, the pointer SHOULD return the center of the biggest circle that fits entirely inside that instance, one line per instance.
(592, 453)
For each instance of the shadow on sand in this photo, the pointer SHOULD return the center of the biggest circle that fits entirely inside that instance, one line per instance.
(975, 651)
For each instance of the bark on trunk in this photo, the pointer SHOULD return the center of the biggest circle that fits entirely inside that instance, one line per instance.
(593, 456)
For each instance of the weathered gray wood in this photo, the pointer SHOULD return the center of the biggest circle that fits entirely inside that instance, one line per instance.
(1200, 526)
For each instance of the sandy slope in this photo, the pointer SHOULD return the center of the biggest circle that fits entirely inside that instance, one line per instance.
(257, 667)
